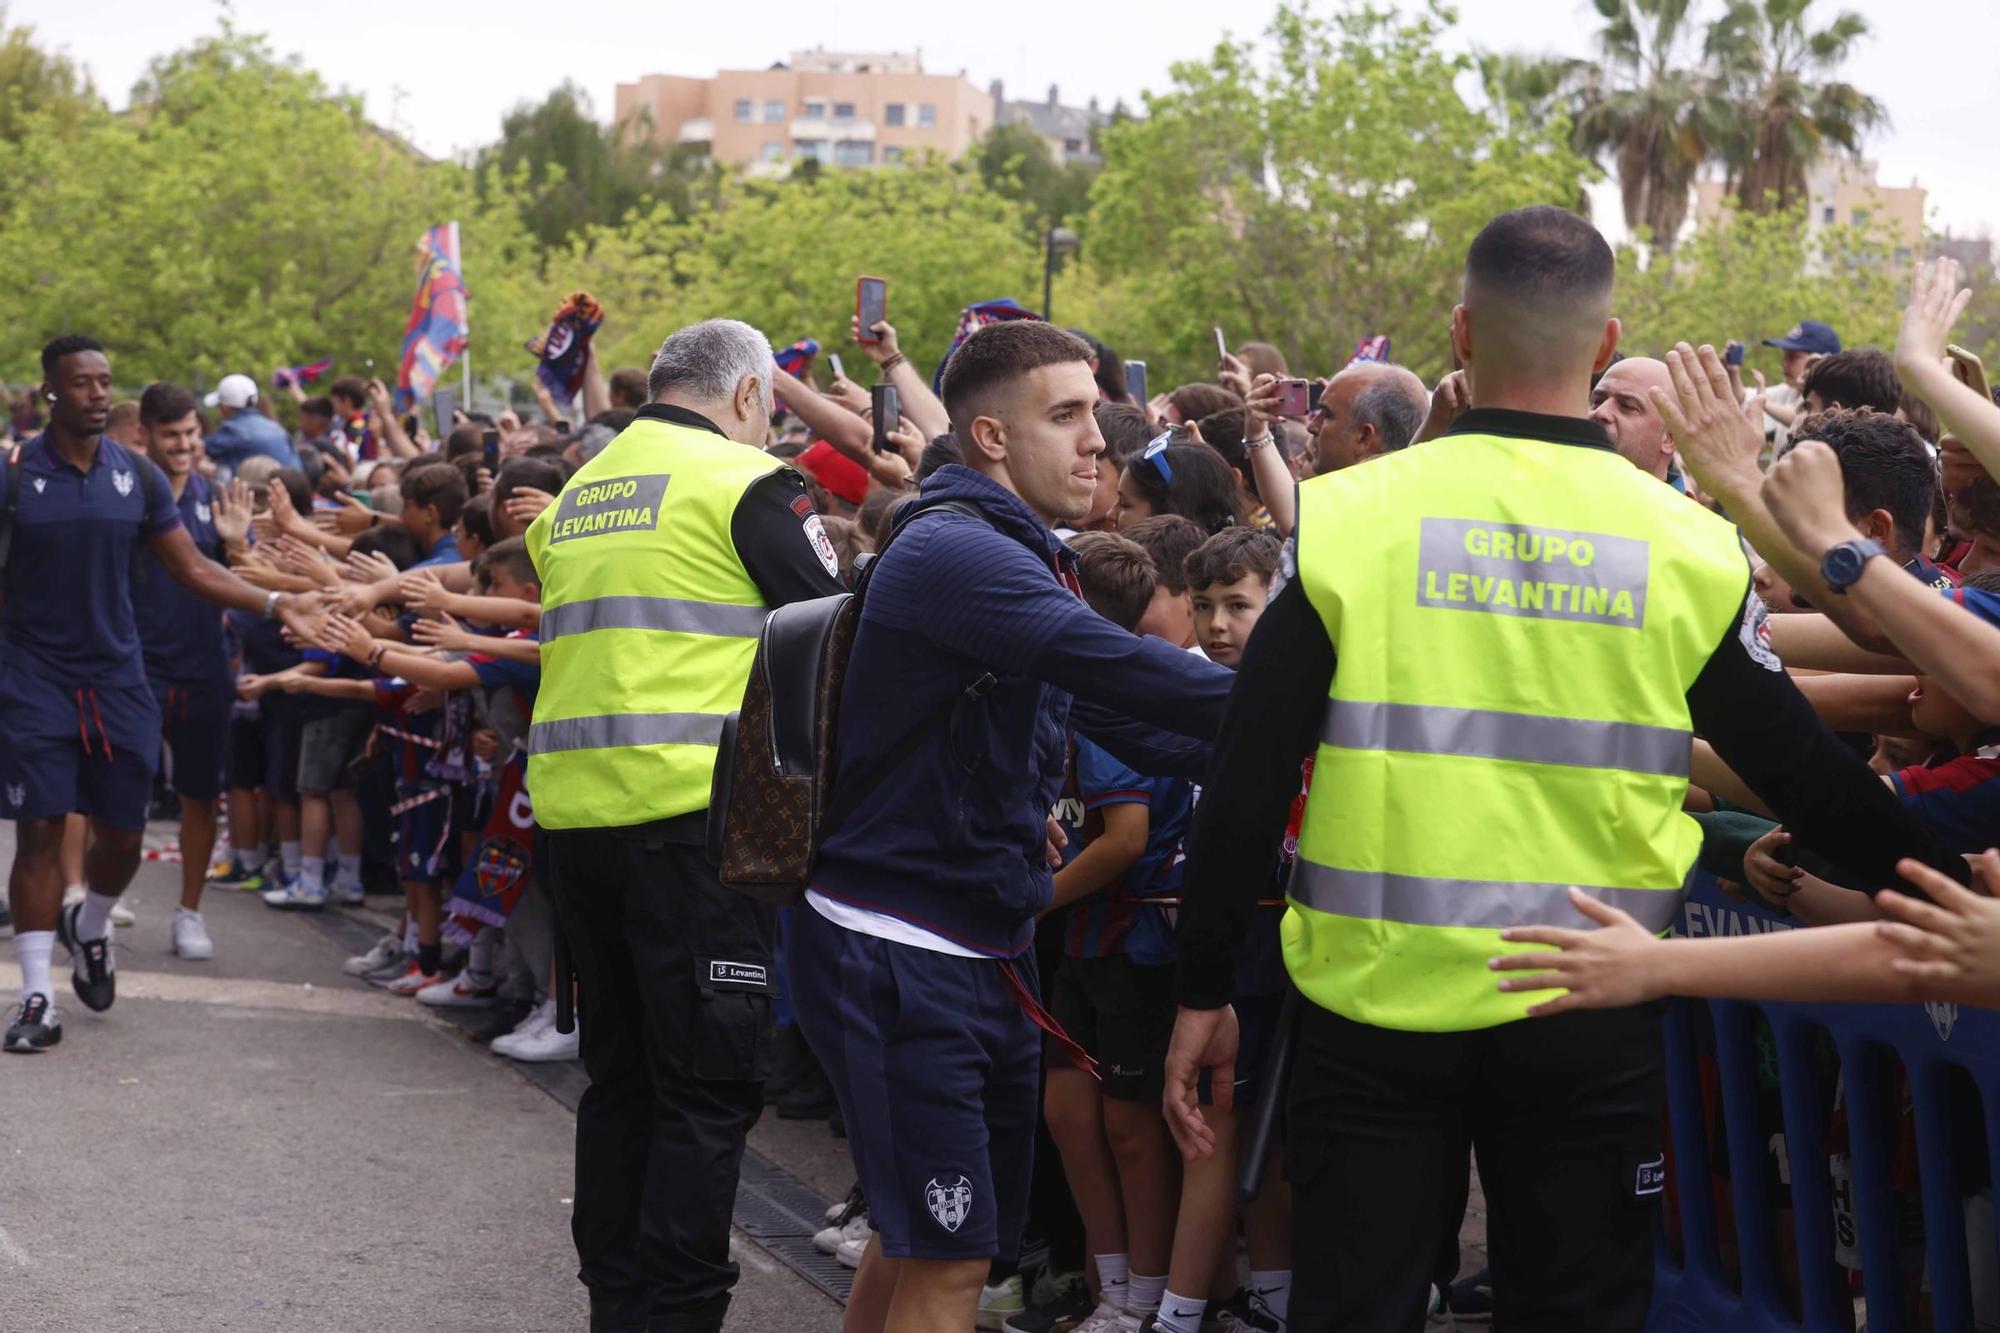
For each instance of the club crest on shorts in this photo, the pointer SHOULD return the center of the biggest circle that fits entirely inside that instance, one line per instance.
(949, 1204)
(122, 482)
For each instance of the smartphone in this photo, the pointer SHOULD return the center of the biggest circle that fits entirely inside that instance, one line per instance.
(489, 444)
(839, 371)
(443, 405)
(1732, 355)
(1970, 371)
(888, 410)
(1221, 345)
(1313, 392)
(871, 306)
(1294, 398)
(1135, 382)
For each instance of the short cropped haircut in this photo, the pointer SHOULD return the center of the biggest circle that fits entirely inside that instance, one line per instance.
(1396, 416)
(1262, 359)
(477, 518)
(466, 438)
(511, 556)
(390, 539)
(1856, 378)
(319, 406)
(1540, 256)
(123, 413)
(1170, 540)
(1116, 574)
(942, 451)
(708, 360)
(536, 474)
(628, 387)
(998, 355)
(68, 345)
(163, 402)
(1883, 465)
(439, 484)
(1232, 554)
(1125, 431)
(1195, 401)
(1918, 413)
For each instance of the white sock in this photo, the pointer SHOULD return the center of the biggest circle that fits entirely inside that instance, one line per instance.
(312, 871)
(33, 948)
(94, 921)
(1274, 1289)
(1143, 1297)
(288, 857)
(1180, 1314)
(347, 874)
(250, 858)
(409, 934)
(1114, 1273)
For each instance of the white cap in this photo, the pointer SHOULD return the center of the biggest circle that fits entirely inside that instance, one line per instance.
(238, 391)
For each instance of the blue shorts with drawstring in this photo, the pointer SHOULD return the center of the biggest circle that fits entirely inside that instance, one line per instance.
(75, 749)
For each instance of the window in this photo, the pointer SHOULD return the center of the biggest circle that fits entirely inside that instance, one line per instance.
(774, 152)
(926, 116)
(843, 111)
(815, 108)
(1827, 215)
(891, 153)
(1860, 217)
(892, 113)
(811, 148)
(774, 112)
(744, 111)
(853, 153)
(1072, 145)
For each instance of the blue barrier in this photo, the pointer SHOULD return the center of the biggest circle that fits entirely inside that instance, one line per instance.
(1935, 1043)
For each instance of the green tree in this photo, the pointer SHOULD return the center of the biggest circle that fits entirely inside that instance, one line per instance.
(38, 82)
(1788, 111)
(1306, 196)
(1015, 162)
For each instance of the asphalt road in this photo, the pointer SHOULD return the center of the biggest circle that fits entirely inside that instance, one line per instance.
(260, 1143)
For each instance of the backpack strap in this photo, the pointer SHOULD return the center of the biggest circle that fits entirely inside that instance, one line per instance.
(10, 504)
(861, 786)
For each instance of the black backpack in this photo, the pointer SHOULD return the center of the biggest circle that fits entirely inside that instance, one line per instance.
(771, 806)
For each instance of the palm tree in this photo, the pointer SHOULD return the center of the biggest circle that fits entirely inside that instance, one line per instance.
(1657, 117)
(1786, 110)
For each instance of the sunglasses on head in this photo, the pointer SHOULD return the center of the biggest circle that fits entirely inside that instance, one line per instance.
(1156, 454)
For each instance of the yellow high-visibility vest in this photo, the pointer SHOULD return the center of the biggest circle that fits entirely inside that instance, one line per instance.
(649, 626)
(1516, 625)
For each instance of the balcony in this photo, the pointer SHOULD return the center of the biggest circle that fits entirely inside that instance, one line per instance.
(828, 127)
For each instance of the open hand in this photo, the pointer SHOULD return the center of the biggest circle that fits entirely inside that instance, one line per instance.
(1936, 302)
(1718, 442)
(445, 633)
(231, 511)
(1606, 968)
(526, 504)
(1769, 878)
(351, 519)
(1950, 945)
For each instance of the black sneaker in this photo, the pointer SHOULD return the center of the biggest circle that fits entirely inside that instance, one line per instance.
(1471, 1301)
(1071, 1306)
(90, 975)
(36, 1028)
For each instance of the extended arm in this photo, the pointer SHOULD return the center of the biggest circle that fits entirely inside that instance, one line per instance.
(1109, 855)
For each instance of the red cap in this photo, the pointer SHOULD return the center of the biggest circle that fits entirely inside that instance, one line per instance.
(836, 471)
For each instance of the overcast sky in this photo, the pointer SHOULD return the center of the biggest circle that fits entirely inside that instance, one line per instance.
(444, 73)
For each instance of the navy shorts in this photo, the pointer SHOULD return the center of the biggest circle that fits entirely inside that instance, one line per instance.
(264, 750)
(938, 1072)
(69, 749)
(194, 721)
(427, 833)
(1122, 1012)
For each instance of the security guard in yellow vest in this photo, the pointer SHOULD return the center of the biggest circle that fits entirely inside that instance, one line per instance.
(658, 563)
(1528, 632)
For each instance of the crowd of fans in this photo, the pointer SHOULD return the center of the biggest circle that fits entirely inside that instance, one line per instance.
(387, 752)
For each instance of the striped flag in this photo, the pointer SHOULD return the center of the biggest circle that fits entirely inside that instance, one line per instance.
(435, 335)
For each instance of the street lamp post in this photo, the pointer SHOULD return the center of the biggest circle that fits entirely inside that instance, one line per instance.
(1060, 240)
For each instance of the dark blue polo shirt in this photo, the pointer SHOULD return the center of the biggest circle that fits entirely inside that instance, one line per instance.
(69, 575)
(180, 633)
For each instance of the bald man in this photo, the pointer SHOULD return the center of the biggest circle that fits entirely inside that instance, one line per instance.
(1369, 409)
(1622, 403)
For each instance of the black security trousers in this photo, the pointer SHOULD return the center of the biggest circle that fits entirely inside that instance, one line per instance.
(676, 977)
(1564, 1116)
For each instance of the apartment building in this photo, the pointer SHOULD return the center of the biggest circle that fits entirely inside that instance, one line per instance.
(1842, 191)
(837, 108)
(1069, 131)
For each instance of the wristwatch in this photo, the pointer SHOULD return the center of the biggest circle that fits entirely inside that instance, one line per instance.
(1842, 565)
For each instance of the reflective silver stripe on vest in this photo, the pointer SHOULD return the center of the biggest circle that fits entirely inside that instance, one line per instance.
(1419, 900)
(659, 613)
(608, 730)
(1425, 729)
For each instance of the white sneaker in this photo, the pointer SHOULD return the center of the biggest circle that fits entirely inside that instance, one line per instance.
(849, 1252)
(121, 915)
(295, 895)
(545, 1045)
(347, 895)
(999, 1303)
(827, 1240)
(387, 950)
(463, 991)
(191, 935)
(1108, 1318)
(543, 1015)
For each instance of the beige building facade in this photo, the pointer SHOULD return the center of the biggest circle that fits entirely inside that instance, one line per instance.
(1842, 191)
(841, 109)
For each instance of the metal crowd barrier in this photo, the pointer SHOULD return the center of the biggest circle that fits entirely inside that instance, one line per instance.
(1724, 1264)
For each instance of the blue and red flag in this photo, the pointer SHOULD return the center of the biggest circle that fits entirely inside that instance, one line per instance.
(974, 318)
(435, 336)
(1375, 347)
(796, 358)
(308, 373)
(563, 348)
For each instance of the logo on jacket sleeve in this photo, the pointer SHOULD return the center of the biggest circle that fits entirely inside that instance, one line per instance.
(822, 545)
(949, 1204)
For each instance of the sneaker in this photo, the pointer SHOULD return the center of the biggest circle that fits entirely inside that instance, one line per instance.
(239, 878)
(412, 979)
(1108, 1318)
(849, 1252)
(1056, 1311)
(1437, 1314)
(36, 1026)
(541, 1016)
(191, 939)
(999, 1303)
(347, 895)
(543, 1045)
(507, 1015)
(121, 915)
(463, 991)
(387, 950)
(295, 895)
(827, 1239)
(389, 971)
(840, 1212)
(91, 970)
(1471, 1299)
(1244, 1313)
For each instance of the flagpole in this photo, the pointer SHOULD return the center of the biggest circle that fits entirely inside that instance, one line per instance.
(465, 372)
